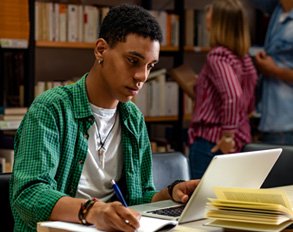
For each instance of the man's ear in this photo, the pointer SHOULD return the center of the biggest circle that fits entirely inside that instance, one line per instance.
(101, 46)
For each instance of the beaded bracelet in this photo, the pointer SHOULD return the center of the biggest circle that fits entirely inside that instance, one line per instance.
(84, 209)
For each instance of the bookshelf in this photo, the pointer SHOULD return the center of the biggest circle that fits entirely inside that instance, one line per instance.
(161, 118)
(41, 56)
(16, 53)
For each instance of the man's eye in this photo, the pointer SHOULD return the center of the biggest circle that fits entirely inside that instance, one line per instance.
(151, 66)
(133, 61)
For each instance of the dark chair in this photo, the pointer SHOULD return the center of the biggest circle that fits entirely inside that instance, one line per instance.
(282, 172)
(6, 218)
(169, 166)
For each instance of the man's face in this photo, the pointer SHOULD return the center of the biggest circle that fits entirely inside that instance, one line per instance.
(127, 66)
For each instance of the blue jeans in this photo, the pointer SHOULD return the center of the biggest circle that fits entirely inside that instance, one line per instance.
(282, 138)
(200, 156)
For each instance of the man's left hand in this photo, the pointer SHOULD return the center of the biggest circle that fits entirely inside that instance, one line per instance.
(182, 191)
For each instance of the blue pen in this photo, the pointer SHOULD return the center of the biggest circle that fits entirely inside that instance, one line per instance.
(118, 193)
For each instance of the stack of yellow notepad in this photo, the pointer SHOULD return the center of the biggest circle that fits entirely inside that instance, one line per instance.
(250, 209)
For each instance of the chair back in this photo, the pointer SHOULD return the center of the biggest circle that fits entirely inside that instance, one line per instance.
(282, 172)
(169, 166)
(6, 218)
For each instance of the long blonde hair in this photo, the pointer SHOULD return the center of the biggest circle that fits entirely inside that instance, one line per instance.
(229, 26)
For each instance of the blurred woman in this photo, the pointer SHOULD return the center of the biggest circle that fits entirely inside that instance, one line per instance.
(224, 90)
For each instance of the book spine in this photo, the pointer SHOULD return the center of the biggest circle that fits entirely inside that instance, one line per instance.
(172, 91)
(56, 22)
(72, 24)
(9, 125)
(175, 30)
(80, 24)
(37, 20)
(62, 22)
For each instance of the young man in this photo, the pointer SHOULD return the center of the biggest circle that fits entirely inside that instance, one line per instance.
(74, 140)
(276, 67)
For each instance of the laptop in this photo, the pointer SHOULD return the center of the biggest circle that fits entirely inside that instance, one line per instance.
(243, 170)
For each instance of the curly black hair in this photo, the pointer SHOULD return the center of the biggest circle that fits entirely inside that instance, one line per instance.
(129, 19)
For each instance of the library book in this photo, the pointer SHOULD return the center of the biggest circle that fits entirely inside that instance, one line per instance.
(250, 209)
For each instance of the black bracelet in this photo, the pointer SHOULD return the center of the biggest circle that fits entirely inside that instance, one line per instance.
(172, 185)
(84, 209)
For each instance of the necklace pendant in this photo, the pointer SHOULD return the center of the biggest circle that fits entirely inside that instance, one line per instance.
(102, 157)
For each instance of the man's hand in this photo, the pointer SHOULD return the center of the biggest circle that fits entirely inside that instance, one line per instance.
(183, 190)
(113, 217)
(265, 63)
(267, 66)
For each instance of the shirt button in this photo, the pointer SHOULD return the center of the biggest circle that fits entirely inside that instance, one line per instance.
(85, 136)
(90, 119)
(72, 190)
(80, 162)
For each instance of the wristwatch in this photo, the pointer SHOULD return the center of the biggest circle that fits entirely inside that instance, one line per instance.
(172, 185)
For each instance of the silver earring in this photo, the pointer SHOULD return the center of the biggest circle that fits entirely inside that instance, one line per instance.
(100, 61)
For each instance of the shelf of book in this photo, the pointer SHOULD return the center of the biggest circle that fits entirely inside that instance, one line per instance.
(169, 48)
(187, 116)
(82, 45)
(161, 118)
(49, 44)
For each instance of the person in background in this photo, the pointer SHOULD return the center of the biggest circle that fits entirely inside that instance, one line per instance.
(224, 90)
(75, 139)
(275, 64)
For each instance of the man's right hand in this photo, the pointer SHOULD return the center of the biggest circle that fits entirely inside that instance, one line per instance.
(113, 217)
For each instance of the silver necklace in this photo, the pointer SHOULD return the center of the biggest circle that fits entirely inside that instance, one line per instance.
(102, 149)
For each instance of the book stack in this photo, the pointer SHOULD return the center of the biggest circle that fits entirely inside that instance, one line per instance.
(42, 86)
(186, 78)
(14, 22)
(13, 79)
(81, 23)
(10, 117)
(250, 209)
(196, 33)
(158, 97)
(169, 24)
(68, 22)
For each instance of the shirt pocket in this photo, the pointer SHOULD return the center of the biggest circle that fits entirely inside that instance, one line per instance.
(284, 45)
(285, 42)
(284, 51)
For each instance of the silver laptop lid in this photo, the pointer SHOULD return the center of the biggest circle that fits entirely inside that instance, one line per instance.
(243, 170)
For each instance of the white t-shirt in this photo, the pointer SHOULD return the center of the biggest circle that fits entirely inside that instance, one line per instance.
(95, 181)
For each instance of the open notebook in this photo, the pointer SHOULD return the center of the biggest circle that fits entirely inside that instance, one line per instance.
(147, 224)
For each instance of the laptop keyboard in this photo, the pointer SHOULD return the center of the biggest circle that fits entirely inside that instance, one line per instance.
(172, 211)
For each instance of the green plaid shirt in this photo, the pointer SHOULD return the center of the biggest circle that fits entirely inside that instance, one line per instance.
(51, 146)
